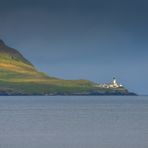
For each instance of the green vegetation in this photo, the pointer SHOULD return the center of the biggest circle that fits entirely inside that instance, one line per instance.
(19, 77)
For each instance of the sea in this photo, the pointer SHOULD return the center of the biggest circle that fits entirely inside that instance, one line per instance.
(74, 122)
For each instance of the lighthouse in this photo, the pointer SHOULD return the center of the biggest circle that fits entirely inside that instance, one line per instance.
(115, 84)
(114, 81)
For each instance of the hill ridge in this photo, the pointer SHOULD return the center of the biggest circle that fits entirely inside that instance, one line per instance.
(13, 53)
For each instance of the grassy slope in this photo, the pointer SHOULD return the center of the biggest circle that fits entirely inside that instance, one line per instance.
(40, 84)
(19, 76)
(13, 82)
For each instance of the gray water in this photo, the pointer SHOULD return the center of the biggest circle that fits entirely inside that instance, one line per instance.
(74, 122)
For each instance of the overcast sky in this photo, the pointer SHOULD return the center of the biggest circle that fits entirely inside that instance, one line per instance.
(81, 39)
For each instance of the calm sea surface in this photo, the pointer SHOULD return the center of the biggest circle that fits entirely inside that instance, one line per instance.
(74, 122)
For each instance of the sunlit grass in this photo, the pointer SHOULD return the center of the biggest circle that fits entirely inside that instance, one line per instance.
(19, 77)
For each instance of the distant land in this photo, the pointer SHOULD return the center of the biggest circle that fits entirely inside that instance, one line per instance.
(18, 76)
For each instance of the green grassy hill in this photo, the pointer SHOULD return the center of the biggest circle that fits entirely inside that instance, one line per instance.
(18, 76)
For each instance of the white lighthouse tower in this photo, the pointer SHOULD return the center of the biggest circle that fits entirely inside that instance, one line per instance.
(114, 81)
(115, 84)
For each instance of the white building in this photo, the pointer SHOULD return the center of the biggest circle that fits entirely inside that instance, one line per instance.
(113, 84)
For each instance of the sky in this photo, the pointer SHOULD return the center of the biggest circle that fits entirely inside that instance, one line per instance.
(81, 39)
